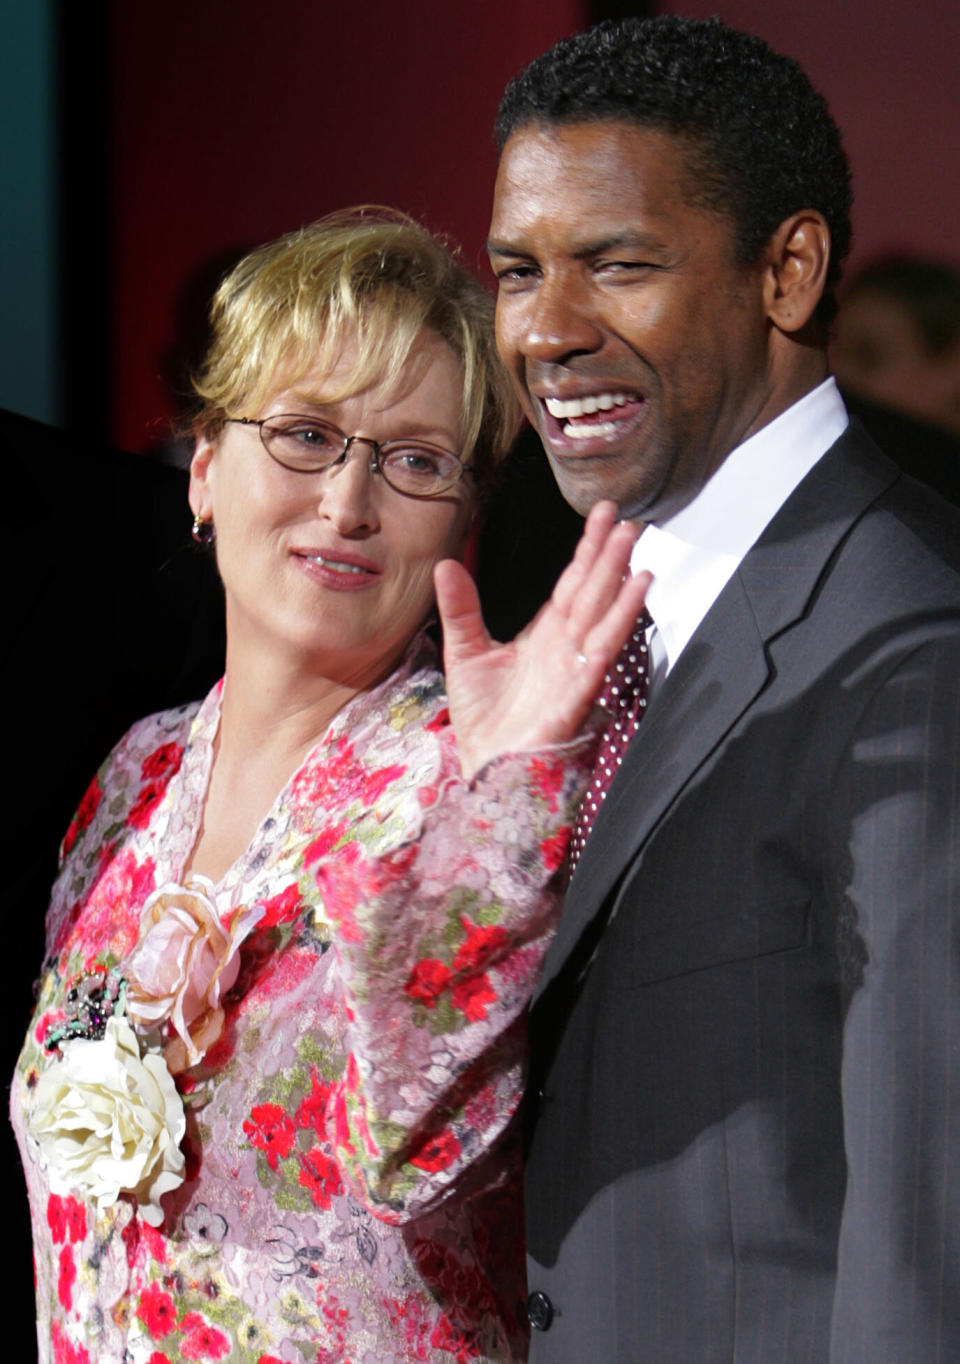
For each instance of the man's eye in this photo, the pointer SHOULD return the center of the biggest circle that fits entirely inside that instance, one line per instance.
(624, 267)
(516, 274)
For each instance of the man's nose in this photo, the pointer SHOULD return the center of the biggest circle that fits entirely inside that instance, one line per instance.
(560, 323)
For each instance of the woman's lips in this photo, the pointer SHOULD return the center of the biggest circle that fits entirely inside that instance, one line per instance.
(338, 569)
(590, 422)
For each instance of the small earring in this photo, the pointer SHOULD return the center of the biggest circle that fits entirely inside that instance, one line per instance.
(203, 531)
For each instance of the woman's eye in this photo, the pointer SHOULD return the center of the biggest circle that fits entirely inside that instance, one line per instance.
(301, 442)
(310, 435)
(415, 461)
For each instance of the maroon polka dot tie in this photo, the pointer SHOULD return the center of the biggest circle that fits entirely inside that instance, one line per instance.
(624, 698)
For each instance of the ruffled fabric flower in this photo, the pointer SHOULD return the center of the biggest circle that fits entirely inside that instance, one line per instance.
(183, 964)
(109, 1121)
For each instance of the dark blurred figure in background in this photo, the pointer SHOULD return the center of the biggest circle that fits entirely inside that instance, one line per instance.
(114, 610)
(896, 355)
(897, 339)
(111, 613)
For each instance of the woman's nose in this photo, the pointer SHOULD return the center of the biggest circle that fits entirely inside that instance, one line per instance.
(348, 491)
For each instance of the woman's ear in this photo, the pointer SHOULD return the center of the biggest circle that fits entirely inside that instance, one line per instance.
(798, 256)
(200, 495)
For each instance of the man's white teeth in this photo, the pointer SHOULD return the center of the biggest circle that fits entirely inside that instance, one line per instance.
(565, 408)
(336, 564)
(586, 432)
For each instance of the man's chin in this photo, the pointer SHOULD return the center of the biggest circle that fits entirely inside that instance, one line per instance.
(584, 488)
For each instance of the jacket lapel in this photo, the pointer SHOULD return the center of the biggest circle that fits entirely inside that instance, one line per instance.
(720, 673)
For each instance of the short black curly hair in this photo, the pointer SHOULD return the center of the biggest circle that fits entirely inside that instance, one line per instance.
(761, 142)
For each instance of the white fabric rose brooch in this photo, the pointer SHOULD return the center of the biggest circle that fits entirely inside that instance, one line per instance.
(110, 1121)
(106, 1113)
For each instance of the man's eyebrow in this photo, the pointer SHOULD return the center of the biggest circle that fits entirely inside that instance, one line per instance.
(630, 239)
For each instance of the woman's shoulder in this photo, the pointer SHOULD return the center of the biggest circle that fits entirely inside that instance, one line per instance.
(155, 732)
(152, 747)
(132, 776)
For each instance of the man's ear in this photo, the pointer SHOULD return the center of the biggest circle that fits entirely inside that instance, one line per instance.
(200, 495)
(798, 255)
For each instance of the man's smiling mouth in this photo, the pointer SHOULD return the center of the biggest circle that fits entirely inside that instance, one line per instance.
(593, 415)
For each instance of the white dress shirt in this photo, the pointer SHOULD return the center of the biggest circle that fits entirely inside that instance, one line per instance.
(694, 554)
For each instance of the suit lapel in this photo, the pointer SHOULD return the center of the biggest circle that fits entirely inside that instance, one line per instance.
(687, 719)
(720, 673)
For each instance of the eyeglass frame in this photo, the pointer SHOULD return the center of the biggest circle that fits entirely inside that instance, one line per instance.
(376, 452)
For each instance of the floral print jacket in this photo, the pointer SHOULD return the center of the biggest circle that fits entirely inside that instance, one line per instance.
(348, 1191)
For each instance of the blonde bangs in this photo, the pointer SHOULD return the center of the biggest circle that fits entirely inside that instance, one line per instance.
(370, 277)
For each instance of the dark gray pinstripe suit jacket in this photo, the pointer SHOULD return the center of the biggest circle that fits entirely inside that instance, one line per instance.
(744, 1121)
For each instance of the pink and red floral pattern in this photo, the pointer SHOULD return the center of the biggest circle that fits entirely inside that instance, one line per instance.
(370, 1059)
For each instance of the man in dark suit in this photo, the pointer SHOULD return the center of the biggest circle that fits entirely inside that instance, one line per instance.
(743, 1120)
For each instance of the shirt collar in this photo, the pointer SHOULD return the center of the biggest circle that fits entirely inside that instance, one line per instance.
(693, 554)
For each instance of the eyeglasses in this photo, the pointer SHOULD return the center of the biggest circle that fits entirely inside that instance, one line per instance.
(308, 446)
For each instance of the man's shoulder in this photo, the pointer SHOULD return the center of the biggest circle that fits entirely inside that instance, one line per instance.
(908, 521)
(878, 514)
(859, 552)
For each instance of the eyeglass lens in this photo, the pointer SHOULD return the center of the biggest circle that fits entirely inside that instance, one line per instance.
(310, 446)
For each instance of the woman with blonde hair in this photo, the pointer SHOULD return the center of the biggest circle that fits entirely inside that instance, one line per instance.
(264, 1102)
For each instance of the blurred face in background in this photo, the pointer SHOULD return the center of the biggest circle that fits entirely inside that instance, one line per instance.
(879, 352)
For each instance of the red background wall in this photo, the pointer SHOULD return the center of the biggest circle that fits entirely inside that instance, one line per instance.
(889, 73)
(234, 123)
(231, 123)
